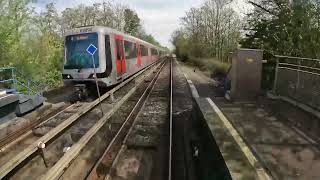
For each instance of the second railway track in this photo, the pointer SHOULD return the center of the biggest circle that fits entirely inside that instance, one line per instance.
(32, 162)
(142, 146)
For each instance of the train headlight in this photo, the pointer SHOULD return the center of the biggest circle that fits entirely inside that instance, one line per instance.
(68, 76)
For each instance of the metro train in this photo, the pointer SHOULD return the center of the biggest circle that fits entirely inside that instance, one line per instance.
(118, 57)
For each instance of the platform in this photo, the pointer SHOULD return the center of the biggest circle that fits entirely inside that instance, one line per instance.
(276, 133)
(239, 160)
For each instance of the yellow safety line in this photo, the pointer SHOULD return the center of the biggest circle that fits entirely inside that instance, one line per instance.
(245, 149)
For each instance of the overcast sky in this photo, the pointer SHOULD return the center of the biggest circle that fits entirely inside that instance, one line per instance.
(159, 17)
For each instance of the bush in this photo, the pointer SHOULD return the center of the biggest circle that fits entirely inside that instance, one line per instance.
(210, 66)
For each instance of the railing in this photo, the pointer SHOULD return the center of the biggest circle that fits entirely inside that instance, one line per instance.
(16, 80)
(299, 79)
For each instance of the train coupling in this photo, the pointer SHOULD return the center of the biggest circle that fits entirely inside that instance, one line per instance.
(81, 93)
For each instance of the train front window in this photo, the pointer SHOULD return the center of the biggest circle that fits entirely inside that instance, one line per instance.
(76, 55)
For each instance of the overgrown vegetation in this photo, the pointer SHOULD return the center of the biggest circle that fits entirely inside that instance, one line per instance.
(284, 27)
(209, 66)
(212, 30)
(33, 41)
(208, 34)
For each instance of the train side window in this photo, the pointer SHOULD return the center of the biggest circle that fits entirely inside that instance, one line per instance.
(108, 54)
(154, 52)
(119, 49)
(107, 47)
(130, 50)
(144, 50)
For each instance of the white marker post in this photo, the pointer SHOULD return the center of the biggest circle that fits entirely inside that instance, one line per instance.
(92, 50)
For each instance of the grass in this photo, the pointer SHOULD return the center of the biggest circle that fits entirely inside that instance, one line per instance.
(209, 66)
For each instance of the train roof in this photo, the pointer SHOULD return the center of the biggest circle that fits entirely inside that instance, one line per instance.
(102, 29)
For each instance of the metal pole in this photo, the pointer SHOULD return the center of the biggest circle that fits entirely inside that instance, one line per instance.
(29, 88)
(276, 77)
(298, 77)
(14, 79)
(96, 80)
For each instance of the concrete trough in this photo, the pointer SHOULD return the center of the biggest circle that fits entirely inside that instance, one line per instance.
(28, 103)
(8, 103)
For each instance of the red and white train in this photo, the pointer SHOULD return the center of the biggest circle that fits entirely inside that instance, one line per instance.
(118, 57)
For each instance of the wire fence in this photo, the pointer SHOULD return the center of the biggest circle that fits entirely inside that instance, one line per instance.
(299, 79)
(11, 78)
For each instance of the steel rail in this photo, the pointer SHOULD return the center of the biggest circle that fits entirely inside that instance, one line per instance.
(170, 118)
(19, 158)
(13, 136)
(58, 169)
(131, 117)
(124, 142)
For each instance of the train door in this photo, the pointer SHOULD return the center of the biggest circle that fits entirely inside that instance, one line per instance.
(120, 55)
(139, 61)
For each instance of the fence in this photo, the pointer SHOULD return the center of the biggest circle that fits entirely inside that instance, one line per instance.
(10, 78)
(298, 79)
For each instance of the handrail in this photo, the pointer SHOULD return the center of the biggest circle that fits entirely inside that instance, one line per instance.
(298, 70)
(8, 68)
(32, 87)
(291, 57)
(28, 79)
(301, 66)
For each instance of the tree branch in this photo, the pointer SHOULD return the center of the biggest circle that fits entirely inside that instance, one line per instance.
(259, 6)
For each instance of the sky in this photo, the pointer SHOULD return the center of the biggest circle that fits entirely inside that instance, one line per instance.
(159, 17)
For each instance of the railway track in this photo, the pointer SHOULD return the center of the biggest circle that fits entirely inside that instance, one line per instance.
(13, 137)
(146, 148)
(53, 96)
(22, 139)
(124, 125)
(52, 139)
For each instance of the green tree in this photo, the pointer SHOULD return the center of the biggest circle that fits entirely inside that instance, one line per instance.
(33, 42)
(284, 27)
(132, 22)
(14, 16)
(211, 30)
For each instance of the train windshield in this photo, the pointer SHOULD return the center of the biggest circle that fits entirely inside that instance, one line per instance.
(76, 55)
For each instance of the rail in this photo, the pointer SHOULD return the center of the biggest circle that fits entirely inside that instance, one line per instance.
(170, 128)
(12, 137)
(57, 170)
(130, 119)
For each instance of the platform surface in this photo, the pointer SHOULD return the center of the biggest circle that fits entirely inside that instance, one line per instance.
(285, 151)
(239, 159)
